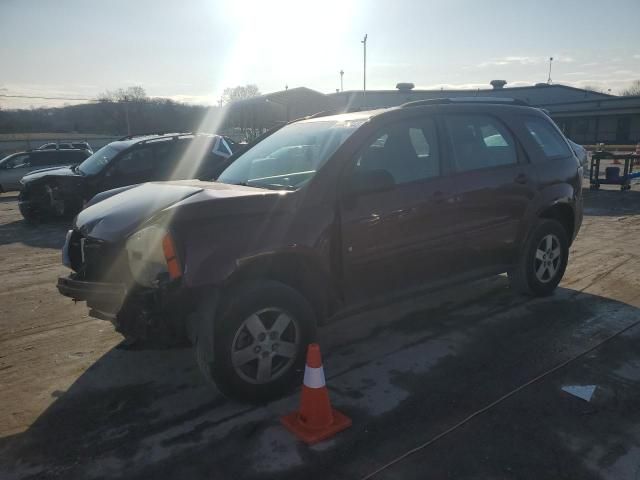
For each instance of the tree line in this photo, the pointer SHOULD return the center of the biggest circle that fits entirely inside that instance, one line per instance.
(120, 112)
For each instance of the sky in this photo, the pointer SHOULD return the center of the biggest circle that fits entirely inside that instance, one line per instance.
(190, 50)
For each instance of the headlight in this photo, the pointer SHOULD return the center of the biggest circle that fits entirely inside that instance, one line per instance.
(151, 252)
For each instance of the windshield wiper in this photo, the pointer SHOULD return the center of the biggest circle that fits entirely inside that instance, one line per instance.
(247, 184)
(278, 186)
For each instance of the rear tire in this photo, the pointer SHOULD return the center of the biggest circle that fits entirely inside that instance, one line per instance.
(542, 261)
(260, 336)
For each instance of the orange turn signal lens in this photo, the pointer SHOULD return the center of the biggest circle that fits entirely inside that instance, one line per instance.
(173, 264)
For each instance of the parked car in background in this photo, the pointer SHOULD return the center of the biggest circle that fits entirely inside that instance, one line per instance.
(323, 216)
(131, 160)
(60, 146)
(17, 165)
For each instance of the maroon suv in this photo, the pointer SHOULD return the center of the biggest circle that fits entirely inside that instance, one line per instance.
(323, 215)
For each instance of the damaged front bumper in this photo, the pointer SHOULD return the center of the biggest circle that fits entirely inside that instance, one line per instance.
(137, 312)
(111, 293)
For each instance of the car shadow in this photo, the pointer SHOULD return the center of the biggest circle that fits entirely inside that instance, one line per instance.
(8, 197)
(41, 235)
(612, 203)
(149, 413)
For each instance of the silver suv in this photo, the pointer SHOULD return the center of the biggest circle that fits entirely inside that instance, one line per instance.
(17, 165)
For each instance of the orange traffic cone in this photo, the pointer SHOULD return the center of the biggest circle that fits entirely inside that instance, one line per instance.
(316, 420)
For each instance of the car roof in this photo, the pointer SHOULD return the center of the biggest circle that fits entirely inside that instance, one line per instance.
(442, 105)
(131, 140)
(347, 117)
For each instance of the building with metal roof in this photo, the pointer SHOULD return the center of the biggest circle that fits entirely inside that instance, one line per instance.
(587, 117)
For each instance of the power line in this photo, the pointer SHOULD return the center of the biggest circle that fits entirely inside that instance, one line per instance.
(46, 98)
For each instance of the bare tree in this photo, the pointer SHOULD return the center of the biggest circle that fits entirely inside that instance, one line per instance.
(128, 110)
(632, 90)
(130, 94)
(241, 92)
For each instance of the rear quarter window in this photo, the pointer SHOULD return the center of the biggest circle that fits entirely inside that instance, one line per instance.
(547, 138)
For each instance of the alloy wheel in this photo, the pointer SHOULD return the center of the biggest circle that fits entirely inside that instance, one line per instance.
(265, 345)
(546, 263)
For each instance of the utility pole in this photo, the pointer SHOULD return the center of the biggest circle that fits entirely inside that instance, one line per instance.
(550, 62)
(126, 112)
(341, 83)
(364, 78)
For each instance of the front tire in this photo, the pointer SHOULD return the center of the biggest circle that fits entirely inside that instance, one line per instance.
(543, 260)
(260, 336)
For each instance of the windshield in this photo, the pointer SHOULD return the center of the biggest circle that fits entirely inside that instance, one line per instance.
(100, 159)
(289, 157)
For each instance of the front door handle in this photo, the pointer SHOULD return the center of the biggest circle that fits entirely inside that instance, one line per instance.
(521, 178)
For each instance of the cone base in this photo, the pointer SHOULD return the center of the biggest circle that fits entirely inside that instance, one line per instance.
(311, 435)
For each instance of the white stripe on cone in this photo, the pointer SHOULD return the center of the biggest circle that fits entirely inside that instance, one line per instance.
(314, 377)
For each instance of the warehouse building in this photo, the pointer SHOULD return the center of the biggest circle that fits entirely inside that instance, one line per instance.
(585, 116)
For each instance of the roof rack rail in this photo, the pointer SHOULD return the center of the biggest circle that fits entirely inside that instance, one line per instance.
(323, 113)
(146, 134)
(453, 100)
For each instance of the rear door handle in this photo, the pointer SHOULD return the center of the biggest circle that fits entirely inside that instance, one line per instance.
(521, 178)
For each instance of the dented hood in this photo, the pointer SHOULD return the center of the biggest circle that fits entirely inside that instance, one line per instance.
(49, 172)
(119, 215)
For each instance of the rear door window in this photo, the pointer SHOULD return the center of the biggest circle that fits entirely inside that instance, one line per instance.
(167, 156)
(71, 157)
(547, 138)
(137, 160)
(44, 158)
(479, 142)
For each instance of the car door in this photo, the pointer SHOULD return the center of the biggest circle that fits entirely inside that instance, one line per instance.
(396, 233)
(494, 185)
(13, 170)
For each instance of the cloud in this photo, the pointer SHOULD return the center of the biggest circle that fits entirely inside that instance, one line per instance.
(523, 60)
(469, 86)
(511, 60)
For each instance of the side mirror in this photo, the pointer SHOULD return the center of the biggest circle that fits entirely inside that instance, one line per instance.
(370, 181)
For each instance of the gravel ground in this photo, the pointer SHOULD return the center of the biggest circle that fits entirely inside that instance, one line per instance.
(76, 403)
